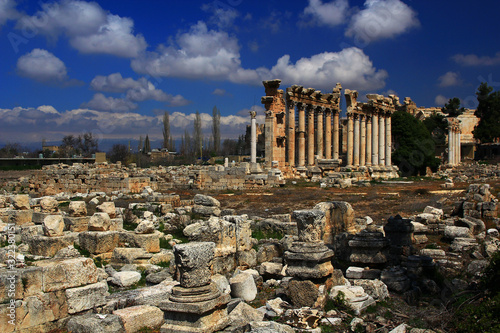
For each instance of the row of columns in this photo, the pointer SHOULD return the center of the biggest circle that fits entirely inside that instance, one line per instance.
(454, 148)
(322, 139)
(369, 139)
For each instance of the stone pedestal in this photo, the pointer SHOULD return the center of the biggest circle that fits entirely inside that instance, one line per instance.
(399, 231)
(196, 305)
(369, 248)
(309, 258)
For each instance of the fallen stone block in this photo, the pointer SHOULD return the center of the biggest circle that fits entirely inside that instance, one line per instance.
(243, 286)
(100, 222)
(125, 279)
(53, 225)
(99, 242)
(76, 224)
(49, 246)
(149, 242)
(95, 323)
(138, 317)
(86, 297)
(77, 209)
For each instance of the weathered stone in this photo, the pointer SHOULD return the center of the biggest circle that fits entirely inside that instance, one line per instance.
(302, 293)
(310, 224)
(269, 327)
(145, 227)
(60, 274)
(243, 286)
(67, 252)
(375, 288)
(95, 323)
(21, 201)
(435, 211)
(18, 217)
(193, 262)
(206, 210)
(243, 314)
(108, 208)
(453, 232)
(77, 209)
(271, 269)
(49, 205)
(49, 246)
(125, 279)
(53, 225)
(86, 297)
(136, 318)
(99, 242)
(149, 242)
(339, 217)
(268, 251)
(76, 224)
(205, 200)
(355, 296)
(222, 283)
(124, 255)
(100, 222)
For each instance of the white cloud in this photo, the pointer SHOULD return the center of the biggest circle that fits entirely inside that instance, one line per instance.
(8, 11)
(136, 90)
(440, 100)
(257, 108)
(90, 28)
(109, 104)
(450, 79)
(219, 92)
(351, 67)
(382, 19)
(42, 66)
(329, 13)
(474, 60)
(197, 54)
(223, 16)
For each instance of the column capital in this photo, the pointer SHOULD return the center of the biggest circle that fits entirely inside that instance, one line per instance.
(253, 114)
(328, 110)
(319, 109)
(350, 115)
(301, 106)
(368, 117)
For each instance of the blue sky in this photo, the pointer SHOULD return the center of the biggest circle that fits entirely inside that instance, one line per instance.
(114, 67)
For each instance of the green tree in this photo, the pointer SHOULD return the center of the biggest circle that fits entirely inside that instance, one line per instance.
(198, 135)
(415, 148)
(216, 129)
(167, 138)
(437, 125)
(452, 108)
(119, 152)
(147, 145)
(488, 112)
(140, 145)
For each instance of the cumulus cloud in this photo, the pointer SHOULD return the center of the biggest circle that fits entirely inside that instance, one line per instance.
(329, 13)
(136, 90)
(90, 28)
(257, 108)
(440, 100)
(474, 60)
(197, 54)
(8, 11)
(449, 79)
(42, 66)
(351, 67)
(380, 19)
(223, 16)
(109, 104)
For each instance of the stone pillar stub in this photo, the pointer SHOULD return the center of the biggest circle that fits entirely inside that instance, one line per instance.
(388, 141)
(450, 146)
(328, 134)
(302, 134)
(193, 260)
(350, 139)
(319, 132)
(336, 136)
(253, 137)
(291, 134)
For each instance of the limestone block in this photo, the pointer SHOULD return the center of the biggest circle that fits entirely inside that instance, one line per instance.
(205, 200)
(126, 278)
(149, 242)
(95, 323)
(435, 211)
(243, 286)
(49, 246)
(60, 274)
(206, 210)
(268, 251)
(271, 269)
(100, 222)
(135, 318)
(77, 209)
(21, 201)
(339, 217)
(18, 217)
(49, 205)
(269, 326)
(193, 262)
(53, 225)
(277, 305)
(222, 283)
(76, 224)
(38, 217)
(452, 232)
(108, 208)
(127, 255)
(145, 227)
(86, 297)
(302, 293)
(99, 242)
(247, 258)
(243, 314)
(375, 288)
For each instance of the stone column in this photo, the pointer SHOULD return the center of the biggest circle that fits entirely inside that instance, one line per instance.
(310, 135)
(459, 148)
(336, 138)
(375, 139)
(388, 141)
(253, 137)
(362, 148)
(328, 134)
(319, 131)
(302, 134)
(291, 133)
(368, 140)
(350, 139)
(356, 139)
(450, 145)
(381, 140)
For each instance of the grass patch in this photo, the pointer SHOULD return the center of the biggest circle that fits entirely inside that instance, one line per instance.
(259, 234)
(164, 244)
(99, 262)
(164, 264)
(129, 226)
(338, 303)
(83, 252)
(64, 204)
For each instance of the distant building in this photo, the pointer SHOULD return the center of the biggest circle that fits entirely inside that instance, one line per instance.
(52, 149)
(156, 154)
